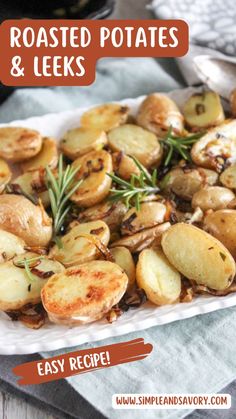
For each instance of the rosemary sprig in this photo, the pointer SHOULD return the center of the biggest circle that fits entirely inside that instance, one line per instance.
(25, 263)
(134, 191)
(60, 188)
(179, 145)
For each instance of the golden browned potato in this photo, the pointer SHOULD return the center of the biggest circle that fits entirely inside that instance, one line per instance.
(48, 156)
(105, 117)
(149, 215)
(5, 175)
(185, 182)
(33, 184)
(124, 165)
(216, 147)
(17, 144)
(28, 221)
(111, 213)
(160, 281)
(203, 110)
(199, 256)
(233, 102)
(158, 112)
(96, 185)
(79, 141)
(137, 142)
(222, 225)
(212, 197)
(84, 293)
(123, 258)
(228, 177)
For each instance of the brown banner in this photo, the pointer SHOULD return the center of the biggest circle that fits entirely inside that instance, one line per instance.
(83, 361)
(64, 52)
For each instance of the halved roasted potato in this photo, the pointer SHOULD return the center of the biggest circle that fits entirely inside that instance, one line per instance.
(124, 259)
(16, 289)
(48, 156)
(5, 175)
(203, 110)
(84, 293)
(17, 143)
(158, 113)
(32, 184)
(75, 248)
(212, 197)
(105, 117)
(79, 141)
(233, 102)
(199, 256)
(137, 142)
(149, 215)
(96, 183)
(111, 213)
(10, 245)
(222, 225)
(21, 217)
(160, 281)
(228, 177)
(217, 147)
(124, 166)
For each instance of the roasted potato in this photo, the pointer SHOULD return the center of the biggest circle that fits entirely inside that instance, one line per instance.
(32, 184)
(96, 184)
(149, 215)
(222, 225)
(228, 177)
(111, 213)
(203, 110)
(217, 147)
(199, 256)
(158, 113)
(105, 117)
(136, 141)
(10, 245)
(28, 221)
(212, 197)
(124, 166)
(84, 293)
(79, 141)
(160, 281)
(48, 156)
(123, 258)
(16, 290)
(233, 102)
(5, 175)
(76, 249)
(17, 144)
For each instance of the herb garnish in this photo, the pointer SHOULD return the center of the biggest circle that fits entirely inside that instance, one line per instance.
(179, 145)
(25, 263)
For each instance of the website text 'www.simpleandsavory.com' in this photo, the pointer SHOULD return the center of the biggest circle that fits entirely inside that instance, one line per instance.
(171, 401)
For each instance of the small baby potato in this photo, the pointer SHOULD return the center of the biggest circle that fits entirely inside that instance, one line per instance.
(124, 166)
(149, 215)
(217, 147)
(105, 117)
(79, 141)
(222, 225)
(111, 213)
(28, 221)
(76, 249)
(212, 197)
(5, 175)
(137, 142)
(48, 156)
(199, 256)
(158, 113)
(160, 281)
(84, 293)
(10, 246)
(228, 177)
(124, 259)
(203, 110)
(185, 182)
(233, 102)
(33, 184)
(96, 183)
(17, 143)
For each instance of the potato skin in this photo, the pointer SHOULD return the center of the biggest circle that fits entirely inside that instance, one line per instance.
(17, 143)
(111, 213)
(160, 281)
(212, 197)
(157, 113)
(203, 110)
(30, 222)
(5, 175)
(149, 215)
(124, 166)
(199, 256)
(222, 225)
(233, 102)
(228, 177)
(123, 258)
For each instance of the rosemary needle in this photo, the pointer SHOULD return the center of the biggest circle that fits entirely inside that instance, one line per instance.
(25, 263)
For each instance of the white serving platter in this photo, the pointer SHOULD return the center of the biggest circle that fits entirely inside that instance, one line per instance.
(15, 338)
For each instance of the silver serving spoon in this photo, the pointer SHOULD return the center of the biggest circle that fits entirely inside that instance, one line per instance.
(219, 74)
